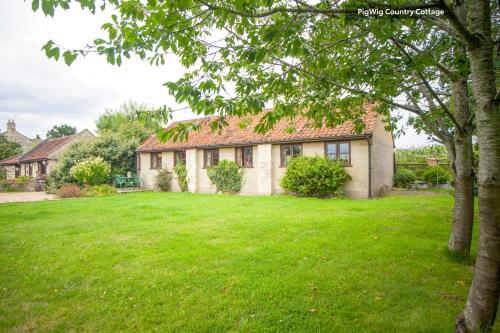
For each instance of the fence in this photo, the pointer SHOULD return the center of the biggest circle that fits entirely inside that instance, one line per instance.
(419, 168)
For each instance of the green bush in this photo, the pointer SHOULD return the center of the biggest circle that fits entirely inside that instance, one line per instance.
(3, 173)
(23, 178)
(163, 180)
(227, 177)
(181, 172)
(436, 174)
(404, 178)
(115, 150)
(99, 190)
(315, 177)
(91, 171)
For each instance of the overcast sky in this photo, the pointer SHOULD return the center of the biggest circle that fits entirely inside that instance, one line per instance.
(39, 93)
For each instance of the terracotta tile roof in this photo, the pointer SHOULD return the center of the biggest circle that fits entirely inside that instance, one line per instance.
(43, 149)
(233, 134)
(11, 160)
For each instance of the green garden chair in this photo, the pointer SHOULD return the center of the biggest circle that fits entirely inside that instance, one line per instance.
(132, 181)
(120, 181)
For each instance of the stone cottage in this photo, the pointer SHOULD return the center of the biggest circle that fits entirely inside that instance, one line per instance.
(368, 156)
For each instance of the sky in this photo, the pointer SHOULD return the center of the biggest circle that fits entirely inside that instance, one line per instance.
(40, 93)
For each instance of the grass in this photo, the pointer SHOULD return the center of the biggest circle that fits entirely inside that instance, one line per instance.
(174, 262)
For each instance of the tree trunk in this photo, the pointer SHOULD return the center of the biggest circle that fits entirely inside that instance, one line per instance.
(463, 210)
(482, 302)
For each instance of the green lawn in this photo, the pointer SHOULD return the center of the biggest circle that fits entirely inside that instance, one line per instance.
(173, 262)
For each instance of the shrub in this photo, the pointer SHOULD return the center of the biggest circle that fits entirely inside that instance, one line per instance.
(99, 190)
(69, 190)
(163, 180)
(3, 173)
(404, 178)
(12, 185)
(91, 171)
(52, 184)
(23, 178)
(114, 149)
(436, 174)
(314, 177)
(227, 177)
(181, 172)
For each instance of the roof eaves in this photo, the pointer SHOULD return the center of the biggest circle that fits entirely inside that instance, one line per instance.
(259, 142)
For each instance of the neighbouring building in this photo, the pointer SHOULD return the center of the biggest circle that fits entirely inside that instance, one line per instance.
(13, 135)
(40, 160)
(368, 156)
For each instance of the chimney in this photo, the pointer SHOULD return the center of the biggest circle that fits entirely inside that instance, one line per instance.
(11, 126)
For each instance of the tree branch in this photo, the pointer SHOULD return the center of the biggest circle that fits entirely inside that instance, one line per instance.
(316, 10)
(428, 86)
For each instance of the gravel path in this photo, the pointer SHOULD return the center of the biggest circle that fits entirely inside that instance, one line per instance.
(25, 196)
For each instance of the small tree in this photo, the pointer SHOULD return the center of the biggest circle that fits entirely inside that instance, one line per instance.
(60, 131)
(227, 177)
(181, 172)
(314, 177)
(8, 148)
(125, 122)
(91, 171)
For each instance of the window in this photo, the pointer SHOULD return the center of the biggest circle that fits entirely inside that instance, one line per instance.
(288, 152)
(138, 161)
(42, 167)
(244, 157)
(18, 171)
(211, 157)
(179, 157)
(339, 151)
(155, 160)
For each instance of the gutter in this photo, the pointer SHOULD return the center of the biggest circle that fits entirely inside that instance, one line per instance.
(368, 139)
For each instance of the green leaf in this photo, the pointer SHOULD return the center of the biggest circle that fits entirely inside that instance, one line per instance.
(55, 53)
(35, 4)
(69, 57)
(111, 58)
(48, 8)
(99, 41)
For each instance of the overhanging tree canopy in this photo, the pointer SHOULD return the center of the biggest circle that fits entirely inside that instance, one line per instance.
(244, 54)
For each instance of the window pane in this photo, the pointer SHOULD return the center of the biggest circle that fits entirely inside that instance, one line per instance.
(158, 160)
(344, 148)
(179, 157)
(215, 157)
(248, 156)
(211, 157)
(331, 148)
(331, 151)
(286, 154)
(208, 155)
(239, 156)
(297, 150)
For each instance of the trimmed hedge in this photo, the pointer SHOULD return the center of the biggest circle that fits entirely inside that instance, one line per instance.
(227, 177)
(404, 178)
(436, 174)
(315, 177)
(163, 180)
